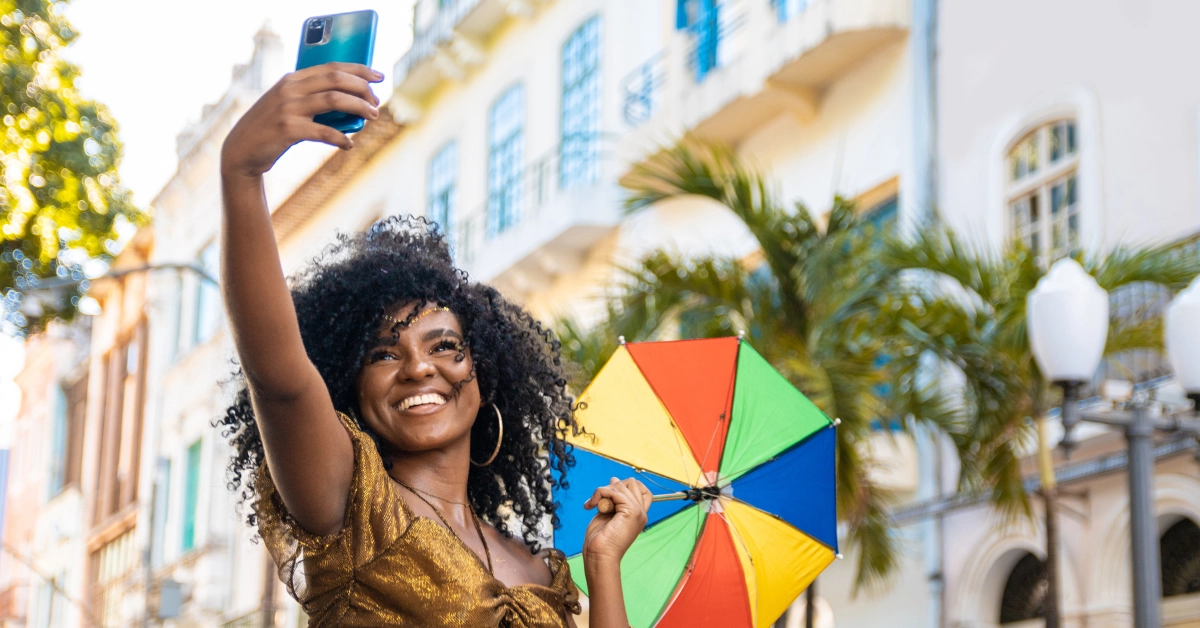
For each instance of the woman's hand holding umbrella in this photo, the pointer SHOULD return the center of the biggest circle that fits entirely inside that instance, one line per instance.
(614, 528)
(607, 538)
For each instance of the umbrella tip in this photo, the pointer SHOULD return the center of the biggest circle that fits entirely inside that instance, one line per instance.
(621, 340)
(837, 422)
(741, 334)
(839, 556)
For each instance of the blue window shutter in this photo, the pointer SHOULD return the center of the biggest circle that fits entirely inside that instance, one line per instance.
(681, 14)
(191, 492)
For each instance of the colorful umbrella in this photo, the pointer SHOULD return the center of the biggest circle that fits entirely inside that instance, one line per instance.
(746, 463)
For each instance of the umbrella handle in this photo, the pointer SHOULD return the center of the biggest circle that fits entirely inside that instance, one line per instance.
(605, 505)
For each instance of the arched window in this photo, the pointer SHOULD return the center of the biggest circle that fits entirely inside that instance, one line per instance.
(1180, 551)
(1042, 189)
(1025, 591)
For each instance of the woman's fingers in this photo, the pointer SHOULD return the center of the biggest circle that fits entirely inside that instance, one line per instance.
(630, 493)
(604, 492)
(309, 130)
(336, 81)
(322, 102)
(641, 493)
(355, 69)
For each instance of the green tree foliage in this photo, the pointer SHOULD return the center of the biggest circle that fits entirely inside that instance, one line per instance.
(974, 321)
(820, 306)
(61, 202)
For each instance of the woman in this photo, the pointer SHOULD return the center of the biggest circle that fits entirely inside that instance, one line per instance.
(394, 418)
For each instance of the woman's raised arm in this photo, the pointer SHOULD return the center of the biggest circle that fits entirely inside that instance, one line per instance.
(308, 451)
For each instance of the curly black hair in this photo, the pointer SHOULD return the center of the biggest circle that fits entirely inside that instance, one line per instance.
(340, 300)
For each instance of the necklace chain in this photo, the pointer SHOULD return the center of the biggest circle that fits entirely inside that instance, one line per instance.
(428, 494)
(474, 519)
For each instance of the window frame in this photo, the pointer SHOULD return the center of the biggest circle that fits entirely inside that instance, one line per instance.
(580, 104)
(207, 314)
(1037, 187)
(442, 186)
(506, 160)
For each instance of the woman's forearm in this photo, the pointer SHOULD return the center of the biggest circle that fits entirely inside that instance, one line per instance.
(261, 315)
(606, 599)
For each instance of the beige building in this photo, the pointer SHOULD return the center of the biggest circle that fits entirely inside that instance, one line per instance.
(41, 576)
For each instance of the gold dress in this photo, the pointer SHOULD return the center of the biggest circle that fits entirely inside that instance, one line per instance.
(388, 567)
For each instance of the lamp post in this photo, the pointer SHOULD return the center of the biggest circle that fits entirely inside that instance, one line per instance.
(1068, 325)
(1068, 321)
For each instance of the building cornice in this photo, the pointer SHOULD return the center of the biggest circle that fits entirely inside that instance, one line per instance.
(329, 179)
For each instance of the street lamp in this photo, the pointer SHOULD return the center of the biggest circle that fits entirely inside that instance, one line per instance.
(1183, 340)
(1068, 324)
(1067, 321)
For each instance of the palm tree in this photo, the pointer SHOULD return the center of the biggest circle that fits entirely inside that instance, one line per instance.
(975, 321)
(822, 307)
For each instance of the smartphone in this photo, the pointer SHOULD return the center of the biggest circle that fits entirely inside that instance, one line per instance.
(344, 37)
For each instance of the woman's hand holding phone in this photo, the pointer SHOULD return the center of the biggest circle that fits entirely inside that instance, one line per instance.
(283, 116)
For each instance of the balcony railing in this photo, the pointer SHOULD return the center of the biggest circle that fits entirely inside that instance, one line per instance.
(440, 30)
(641, 91)
(711, 37)
(1137, 302)
(574, 164)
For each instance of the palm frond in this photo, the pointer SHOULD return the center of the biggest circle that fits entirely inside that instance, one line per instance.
(1170, 265)
(1134, 333)
(584, 350)
(693, 168)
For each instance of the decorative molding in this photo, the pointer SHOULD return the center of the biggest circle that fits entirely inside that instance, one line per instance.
(1174, 495)
(974, 597)
(518, 8)
(448, 64)
(801, 102)
(469, 51)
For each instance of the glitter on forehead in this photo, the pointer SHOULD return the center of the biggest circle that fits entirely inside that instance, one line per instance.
(414, 317)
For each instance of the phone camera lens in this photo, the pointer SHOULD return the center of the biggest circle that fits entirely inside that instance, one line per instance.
(315, 32)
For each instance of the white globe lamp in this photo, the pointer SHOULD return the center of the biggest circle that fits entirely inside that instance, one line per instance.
(1067, 318)
(1183, 339)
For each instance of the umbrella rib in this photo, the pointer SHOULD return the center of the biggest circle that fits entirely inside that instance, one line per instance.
(683, 454)
(636, 469)
(734, 476)
(787, 523)
(687, 572)
(708, 450)
(727, 417)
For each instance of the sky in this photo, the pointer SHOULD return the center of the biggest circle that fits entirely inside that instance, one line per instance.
(155, 64)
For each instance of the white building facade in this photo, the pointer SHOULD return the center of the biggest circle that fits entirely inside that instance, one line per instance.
(521, 117)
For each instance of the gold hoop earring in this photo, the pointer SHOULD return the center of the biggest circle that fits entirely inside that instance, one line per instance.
(500, 439)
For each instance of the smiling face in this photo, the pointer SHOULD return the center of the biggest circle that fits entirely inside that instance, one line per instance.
(416, 387)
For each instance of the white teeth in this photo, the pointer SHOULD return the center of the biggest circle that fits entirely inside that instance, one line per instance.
(418, 400)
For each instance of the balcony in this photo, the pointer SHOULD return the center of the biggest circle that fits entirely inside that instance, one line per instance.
(747, 61)
(449, 38)
(542, 227)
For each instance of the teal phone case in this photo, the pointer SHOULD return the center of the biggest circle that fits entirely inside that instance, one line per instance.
(349, 38)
